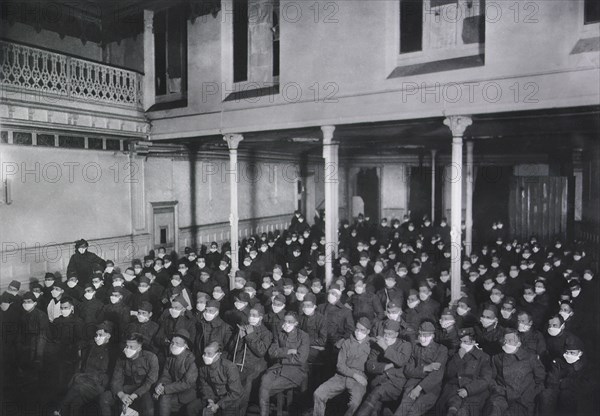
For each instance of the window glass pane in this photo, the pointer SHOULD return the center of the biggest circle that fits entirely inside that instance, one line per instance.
(240, 40)
(94, 143)
(20, 137)
(71, 141)
(411, 25)
(45, 140)
(592, 11)
(113, 144)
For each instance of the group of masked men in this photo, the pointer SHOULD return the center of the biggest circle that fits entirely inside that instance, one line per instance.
(172, 334)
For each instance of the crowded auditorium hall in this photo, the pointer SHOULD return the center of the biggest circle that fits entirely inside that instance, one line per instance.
(299, 208)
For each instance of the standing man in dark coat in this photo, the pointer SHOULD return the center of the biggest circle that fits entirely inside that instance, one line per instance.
(219, 385)
(518, 378)
(135, 373)
(33, 335)
(83, 262)
(290, 351)
(176, 386)
(467, 379)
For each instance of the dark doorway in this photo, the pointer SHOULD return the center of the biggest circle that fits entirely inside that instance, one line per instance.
(490, 200)
(367, 187)
(419, 201)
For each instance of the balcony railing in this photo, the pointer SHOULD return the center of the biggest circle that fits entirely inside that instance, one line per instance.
(45, 72)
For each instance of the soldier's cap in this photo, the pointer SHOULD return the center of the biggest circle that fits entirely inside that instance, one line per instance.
(81, 243)
(60, 285)
(364, 322)
(363, 255)
(310, 297)
(29, 296)
(288, 282)
(491, 308)
(202, 296)
(250, 285)
(15, 284)
(259, 308)
(390, 325)
(145, 306)
(413, 292)
(117, 289)
(447, 312)
(395, 302)
(279, 298)
(106, 326)
(7, 298)
(303, 272)
(242, 297)
(509, 301)
(240, 273)
(427, 327)
(184, 334)
(335, 288)
(574, 284)
(135, 336)
(391, 274)
(181, 300)
(205, 270)
(463, 332)
(117, 276)
(167, 257)
(36, 286)
(358, 278)
(147, 258)
(573, 343)
(49, 276)
(144, 279)
(212, 303)
(89, 285)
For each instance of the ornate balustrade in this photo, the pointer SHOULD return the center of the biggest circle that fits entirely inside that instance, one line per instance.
(45, 72)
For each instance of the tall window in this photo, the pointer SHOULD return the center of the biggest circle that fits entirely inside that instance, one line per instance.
(170, 43)
(255, 40)
(240, 40)
(591, 11)
(411, 26)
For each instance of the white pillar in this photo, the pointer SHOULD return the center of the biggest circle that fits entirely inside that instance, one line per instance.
(433, 152)
(149, 74)
(233, 140)
(469, 201)
(457, 125)
(330, 154)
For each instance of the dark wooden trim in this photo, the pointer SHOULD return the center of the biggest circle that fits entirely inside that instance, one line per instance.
(438, 66)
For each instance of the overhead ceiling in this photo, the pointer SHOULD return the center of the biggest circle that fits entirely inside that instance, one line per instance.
(503, 133)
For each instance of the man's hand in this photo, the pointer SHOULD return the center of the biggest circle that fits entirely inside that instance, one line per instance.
(415, 393)
(126, 399)
(160, 389)
(318, 348)
(388, 366)
(292, 351)
(242, 329)
(360, 379)
(432, 367)
(212, 406)
(381, 342)
(463, 393)
(248, 329)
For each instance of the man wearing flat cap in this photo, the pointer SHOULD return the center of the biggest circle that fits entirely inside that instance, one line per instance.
(176, 386)
(83, 262)
(387, 360)
(211, 328)
(467, 379)
(425, 371)
(143, 324)
(350, 371)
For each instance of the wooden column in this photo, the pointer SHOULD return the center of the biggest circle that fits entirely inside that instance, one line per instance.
(330, 154)
(233, 140)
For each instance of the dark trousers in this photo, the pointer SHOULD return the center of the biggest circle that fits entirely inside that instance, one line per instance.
(271, 384)
(335, 386)
(382, 390)
(110, 404)
(198, 408)
(410, 407)
(82, 390)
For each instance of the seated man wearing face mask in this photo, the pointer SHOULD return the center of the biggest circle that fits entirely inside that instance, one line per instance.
(135, 373)
(565, 382)
(340, 324)
(313, 323)
(350, 371)
(241, 309)
(65, 344)
(390, 290)
(176, 386)
(249, 352)
(211, 328)
(424, 371)
(388, 357)
(90, 310)
(467, 379)
(274, 317)
(556, 339)
(532, 340)
(365, 303)
(83, 261)
(488, 333)
(394, 313)
(98, 361)
(290, 353)
(32, 337)
(172, 320)
(518, 377)
(143, 325)
(219, 386)
(447, 335)
(117, 312)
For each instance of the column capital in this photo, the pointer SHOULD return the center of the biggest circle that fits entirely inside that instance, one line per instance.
(328, 134)
(458, 124)
(233, 140)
